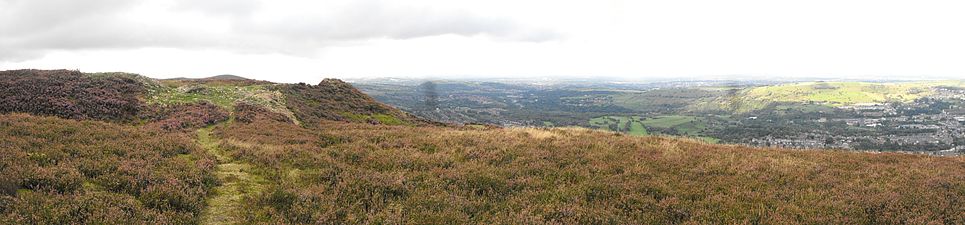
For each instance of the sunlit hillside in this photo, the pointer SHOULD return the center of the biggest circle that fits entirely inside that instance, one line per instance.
(836, 93)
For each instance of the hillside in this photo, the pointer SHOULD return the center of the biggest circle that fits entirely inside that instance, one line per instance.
(172, 151)
(833, 93)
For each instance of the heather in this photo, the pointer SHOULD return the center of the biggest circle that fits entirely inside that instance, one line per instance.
(356, 173)
(58, 171)
(248, 113)
(229, 150)
(186, 116)
(333, 99)
(70, 94)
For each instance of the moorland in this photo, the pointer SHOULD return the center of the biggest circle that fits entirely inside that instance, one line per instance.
(123, 148)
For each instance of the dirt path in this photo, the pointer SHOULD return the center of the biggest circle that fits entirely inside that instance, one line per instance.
(224, 206)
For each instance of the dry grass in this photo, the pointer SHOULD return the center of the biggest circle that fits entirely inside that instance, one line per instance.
(357, 173)
(58, 171)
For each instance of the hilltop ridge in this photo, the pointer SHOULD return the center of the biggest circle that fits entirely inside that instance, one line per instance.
(226, 77)
(123, 97)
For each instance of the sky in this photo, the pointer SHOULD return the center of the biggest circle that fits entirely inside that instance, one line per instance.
(305, 41)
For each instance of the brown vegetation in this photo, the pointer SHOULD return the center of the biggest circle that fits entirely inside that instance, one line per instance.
(69, 94)
(358, 173)
(247, 113)
(57, 171)
(186, 117)
(334, 99)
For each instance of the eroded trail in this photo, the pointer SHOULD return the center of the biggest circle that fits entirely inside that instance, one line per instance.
(224, 207)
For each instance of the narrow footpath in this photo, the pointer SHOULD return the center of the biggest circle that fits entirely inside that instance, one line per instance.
(224, 205)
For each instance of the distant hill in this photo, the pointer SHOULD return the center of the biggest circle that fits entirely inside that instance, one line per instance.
(226, 77)
(216, 77)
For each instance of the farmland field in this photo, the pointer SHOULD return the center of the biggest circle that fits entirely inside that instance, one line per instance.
(619, 124)
(680, 125)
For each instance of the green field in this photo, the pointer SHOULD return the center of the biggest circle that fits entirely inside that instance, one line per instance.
(620, 122)
(669, 121)
(684, 125)
(689, 125)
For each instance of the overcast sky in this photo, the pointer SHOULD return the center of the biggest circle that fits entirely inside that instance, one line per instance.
(293, 41)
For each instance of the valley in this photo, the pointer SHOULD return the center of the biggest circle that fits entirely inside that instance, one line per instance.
(921, 116)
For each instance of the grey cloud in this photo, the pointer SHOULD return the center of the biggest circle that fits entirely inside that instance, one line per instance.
(30, 16)
(31, 27)
(27, 26)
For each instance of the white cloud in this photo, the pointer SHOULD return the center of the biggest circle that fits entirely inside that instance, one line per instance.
(634, 39)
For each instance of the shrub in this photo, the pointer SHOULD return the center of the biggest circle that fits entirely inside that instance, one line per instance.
(186, 116)
(57, 171)
(248, 113)
(70, 94)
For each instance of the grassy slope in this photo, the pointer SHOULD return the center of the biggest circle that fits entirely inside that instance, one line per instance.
(358, 173)
(637, 128)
